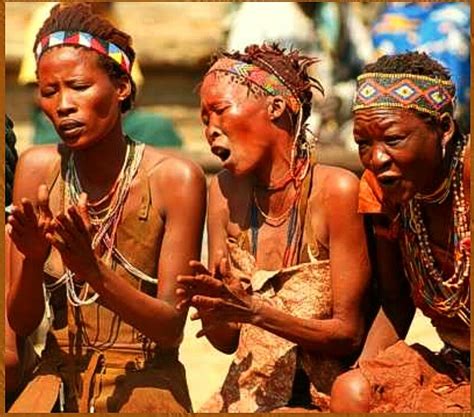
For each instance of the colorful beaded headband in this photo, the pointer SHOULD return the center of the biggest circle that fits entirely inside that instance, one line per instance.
(268, 82)
(418, 92)
(86, 40)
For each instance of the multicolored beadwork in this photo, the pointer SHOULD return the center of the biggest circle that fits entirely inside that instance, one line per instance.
(87, 41)
(268, 82)
(425, 94)
(447, 296)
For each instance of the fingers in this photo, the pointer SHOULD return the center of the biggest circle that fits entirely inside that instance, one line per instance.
(82, 210)
(28, 212)
(78, 221)
(16, 222)
(217, 262)
(200, 284)
(224, 266)
(65, 228)
(205, 303)
(199, 268)
(59, 244)
(43, 202)
(183, 299)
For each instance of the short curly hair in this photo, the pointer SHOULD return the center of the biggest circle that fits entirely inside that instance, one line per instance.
(80, 17)
(415, 63)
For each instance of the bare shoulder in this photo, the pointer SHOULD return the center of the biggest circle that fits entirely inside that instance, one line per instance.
(34, 166)
(335, 182)
(168, 168)
(38, 157)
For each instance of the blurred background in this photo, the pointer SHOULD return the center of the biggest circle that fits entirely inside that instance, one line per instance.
(174, 42)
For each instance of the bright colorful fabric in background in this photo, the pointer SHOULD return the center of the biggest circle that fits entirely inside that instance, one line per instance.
(442, 30)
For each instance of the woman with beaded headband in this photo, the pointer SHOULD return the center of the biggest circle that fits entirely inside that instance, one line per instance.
(98, 236)
(417, 190)
(287, 252)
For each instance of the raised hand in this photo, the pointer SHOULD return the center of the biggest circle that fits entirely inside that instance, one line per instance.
(28, 225)
(71, 236)
(219, 297)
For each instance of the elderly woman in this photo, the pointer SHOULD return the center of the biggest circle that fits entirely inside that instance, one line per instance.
(288, 257)
(417, 189)
(98, 234)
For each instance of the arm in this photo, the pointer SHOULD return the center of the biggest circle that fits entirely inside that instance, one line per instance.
(224, 337)
(25, 300)
(396, 313)
(180, 186)
(12, 351)
(350, 271)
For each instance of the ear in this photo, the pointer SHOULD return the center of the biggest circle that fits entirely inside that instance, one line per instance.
(276, 106)
(448, 128)
(124, 88)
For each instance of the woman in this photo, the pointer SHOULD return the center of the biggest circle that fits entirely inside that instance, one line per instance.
(417, 189)
(98, 234)
(286, 293)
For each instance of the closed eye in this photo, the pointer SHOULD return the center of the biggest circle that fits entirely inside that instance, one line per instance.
(361, 143)
(47, 92)
(220, 109)
(80, 87)
(394, 140)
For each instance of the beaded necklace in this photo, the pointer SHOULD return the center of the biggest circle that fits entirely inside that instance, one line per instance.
(290, 214)
(105, 220)
(448, 297)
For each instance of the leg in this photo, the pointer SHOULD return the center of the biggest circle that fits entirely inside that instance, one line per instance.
(350, 393)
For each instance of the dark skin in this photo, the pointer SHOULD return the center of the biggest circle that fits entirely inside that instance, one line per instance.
(259, 152)
(405, 153)
(75, 88)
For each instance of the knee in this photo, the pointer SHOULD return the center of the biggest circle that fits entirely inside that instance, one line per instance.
(350, 393)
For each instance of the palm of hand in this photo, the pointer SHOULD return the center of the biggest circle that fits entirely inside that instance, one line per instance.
(28, 227)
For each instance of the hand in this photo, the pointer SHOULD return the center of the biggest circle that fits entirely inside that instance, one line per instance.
(219, 297)
(28, 226)
(72, 237)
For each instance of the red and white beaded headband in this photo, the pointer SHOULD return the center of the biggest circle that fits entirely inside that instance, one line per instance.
(419, 92)
(87, 41)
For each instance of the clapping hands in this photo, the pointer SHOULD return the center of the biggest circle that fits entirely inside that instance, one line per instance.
(218, 296)
(33, 229)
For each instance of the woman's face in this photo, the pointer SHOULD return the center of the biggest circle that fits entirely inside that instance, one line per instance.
(78, 95)
(402, 150)
(236, 123)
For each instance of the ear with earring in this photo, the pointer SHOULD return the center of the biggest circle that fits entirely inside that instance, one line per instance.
(447, 124)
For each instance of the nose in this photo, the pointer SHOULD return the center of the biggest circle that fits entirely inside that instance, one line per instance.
(380, 159)
(65, 104)
(212, 132)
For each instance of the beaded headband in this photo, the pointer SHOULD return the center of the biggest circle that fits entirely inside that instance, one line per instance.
(419, 92)
(86, 40)
(263, 79)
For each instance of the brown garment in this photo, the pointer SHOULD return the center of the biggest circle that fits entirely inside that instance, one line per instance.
(261, 376)
(104, 363)
(412, 379)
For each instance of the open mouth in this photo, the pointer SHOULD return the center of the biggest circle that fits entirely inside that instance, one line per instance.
(222, 153)
(388, 181)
